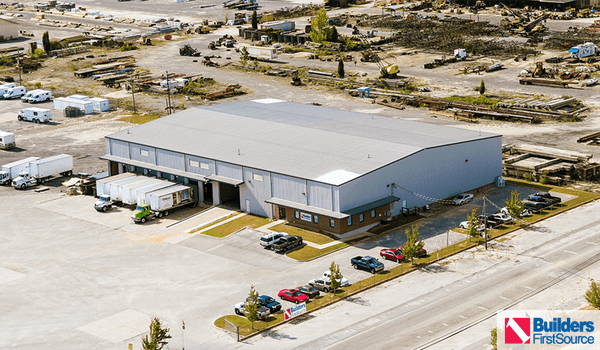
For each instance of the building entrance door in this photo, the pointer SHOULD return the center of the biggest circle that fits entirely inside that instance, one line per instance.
(281, 213)
(248, 205)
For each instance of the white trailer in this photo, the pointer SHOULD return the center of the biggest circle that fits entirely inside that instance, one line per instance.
(79, 97)
(262, 52)
(116, 187)
(36, 115)
(12, 170)
(584, 50)
(7, 140)
(171, 197)
(61, 103)
(43, 169)
(103, 185)
(5, 87)
(283, 25)
(129, 192)
(100, 104)
(143, 194)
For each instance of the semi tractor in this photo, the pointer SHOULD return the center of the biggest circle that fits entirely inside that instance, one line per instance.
(11, 171)
(43, 169)
(162, 202)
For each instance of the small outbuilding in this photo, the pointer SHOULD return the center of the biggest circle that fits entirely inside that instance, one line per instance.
(9, 30)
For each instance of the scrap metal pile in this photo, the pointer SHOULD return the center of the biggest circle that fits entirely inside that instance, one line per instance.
(447, 35)
(573, 37)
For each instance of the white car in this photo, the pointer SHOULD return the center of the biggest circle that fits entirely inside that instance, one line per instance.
(269, 239)
(503, 218)
(524, 213)
(465, 225)
(344, 283)
(263, 312)
(463, 198)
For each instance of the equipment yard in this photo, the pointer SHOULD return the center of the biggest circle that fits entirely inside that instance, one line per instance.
(91, 69)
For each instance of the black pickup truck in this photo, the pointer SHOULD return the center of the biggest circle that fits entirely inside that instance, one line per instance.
(547, 197)
(368, 263)
(286, 243)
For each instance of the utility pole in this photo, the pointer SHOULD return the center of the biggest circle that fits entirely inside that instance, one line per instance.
(19, 64)
(484, 223)
(169, 108)
(132, 92)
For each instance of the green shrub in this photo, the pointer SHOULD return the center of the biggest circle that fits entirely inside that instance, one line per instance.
(544, 177)
(528, 177)
(128, 47)
(38, 85)
(39, 53)
(5, 61)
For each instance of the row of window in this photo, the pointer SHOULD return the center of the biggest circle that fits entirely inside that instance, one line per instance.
(315, 219)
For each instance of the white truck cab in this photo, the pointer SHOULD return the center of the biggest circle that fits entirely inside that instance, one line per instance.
(5, 87)
(36, 115)
(14, 92)
(23, 181)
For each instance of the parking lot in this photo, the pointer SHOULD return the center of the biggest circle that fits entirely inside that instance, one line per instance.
(69, 272)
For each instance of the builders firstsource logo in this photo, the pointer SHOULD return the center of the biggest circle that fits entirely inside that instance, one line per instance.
(548, 329)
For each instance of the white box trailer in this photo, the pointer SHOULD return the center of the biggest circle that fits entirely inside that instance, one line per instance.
(143, 194)
(79, 97)
(117, 186)
(100, 104)
(262, 52)
(47, 167)
(61, 103)
(171, 197)
(129, 192)
(12, 170)
(7, 140)
(103, 185)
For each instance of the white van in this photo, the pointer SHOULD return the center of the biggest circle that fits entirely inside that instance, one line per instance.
(15, 92)
(25, 98)
(5, 87)
(40, 96)
(36, 115)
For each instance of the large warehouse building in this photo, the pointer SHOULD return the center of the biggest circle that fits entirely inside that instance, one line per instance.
(319, 168)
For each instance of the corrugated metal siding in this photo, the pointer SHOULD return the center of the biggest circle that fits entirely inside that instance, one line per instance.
(142, 153)
(336, 198)
(229, 170)
(256, 191)
(319, 195)
(107, 146)
(438, 172)
(289, 188)
(197, 165)
(119, 148)
(170, 159)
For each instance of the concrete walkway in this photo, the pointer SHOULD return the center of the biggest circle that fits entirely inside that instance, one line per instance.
(205, 218)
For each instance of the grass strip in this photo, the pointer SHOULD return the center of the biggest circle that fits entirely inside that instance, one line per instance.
(306, 235)
(308, 252)
(214, 222)
(139, 118)
(230, 227)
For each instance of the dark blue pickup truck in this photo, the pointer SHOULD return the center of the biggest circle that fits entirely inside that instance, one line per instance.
(368, 263)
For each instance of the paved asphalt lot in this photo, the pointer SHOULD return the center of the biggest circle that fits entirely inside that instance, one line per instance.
(70, 273)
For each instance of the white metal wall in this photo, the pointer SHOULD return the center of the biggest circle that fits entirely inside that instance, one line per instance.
(229, 170)
(439, 173)
(119, 149)
(289, 188)
(198, 165)
(170, 159)
(257, 189)
(319, 195)
(142, 153)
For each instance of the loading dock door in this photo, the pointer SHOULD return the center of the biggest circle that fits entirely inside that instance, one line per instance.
(208, 193)
(229, 195)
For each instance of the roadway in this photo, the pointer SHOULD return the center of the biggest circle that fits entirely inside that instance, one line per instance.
(441, 302)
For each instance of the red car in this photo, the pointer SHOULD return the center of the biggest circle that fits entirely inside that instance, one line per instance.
(293, 295)
(423, 252)
(392, 254)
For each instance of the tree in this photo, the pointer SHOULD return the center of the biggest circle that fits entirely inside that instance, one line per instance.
(251, 306)
(514, 205)
(46, 42)
(473, 224)
(482, 88)
(341, 68)
(331, 34)
(158, 336)
(336, 276)
(592, 295)
(254, 20)
(412, 247)
(494, 339)
(317, 27)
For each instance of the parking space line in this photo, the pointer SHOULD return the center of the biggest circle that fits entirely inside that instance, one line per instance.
(213, 248)
(593, 243)
(505, 298)
(568, 251)
(483, 307)
(528, 287)
(462, 316)
(446, 325)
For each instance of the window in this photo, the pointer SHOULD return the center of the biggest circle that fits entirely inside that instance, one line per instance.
(331, 223)
(362, 217)
(350, 221)
(194, 163)
(373, 213)
(315, 219)
(257, 177)
(297, 214)
(144, 152)
(204, 166)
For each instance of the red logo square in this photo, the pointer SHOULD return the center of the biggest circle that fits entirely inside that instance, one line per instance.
(517, 330)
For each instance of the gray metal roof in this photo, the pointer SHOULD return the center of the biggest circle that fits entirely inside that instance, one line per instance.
(310, 142)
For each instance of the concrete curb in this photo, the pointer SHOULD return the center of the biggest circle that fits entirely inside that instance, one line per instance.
(473, 245)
